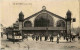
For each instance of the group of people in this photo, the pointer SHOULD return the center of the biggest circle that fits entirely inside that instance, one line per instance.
(46, 38)
(51, 38)
(72, 37)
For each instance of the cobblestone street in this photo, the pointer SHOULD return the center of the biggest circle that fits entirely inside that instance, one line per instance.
(39, 45)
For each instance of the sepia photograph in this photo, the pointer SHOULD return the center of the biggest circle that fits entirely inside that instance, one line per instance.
(39, 24)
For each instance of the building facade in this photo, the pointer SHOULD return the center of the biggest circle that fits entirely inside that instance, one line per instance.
(44, 23)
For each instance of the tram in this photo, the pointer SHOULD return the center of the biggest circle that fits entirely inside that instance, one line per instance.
(13, 34)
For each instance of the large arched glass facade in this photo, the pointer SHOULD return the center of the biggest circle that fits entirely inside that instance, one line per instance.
(43, 20)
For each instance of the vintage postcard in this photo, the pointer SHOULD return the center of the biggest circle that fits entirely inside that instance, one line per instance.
(39, 24)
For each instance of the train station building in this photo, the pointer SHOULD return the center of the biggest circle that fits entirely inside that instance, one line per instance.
(45, 23)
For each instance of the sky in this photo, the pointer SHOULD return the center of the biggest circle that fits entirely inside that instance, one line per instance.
(10, 9)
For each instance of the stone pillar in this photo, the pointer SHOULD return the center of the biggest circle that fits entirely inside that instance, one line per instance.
(20, 28)
(68, 26)
(20, 25)
(21, 18)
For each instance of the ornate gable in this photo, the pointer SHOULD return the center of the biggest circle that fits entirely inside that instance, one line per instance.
(44, 11)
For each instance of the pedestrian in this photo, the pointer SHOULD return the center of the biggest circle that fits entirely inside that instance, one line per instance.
(36, 38)
(64, 37)
(67, 38)
(78, 37)
(40, 38)
(46, 37)
(58, 38)
(72, 38)
(51, 38)
(33, 37)
(1, 35)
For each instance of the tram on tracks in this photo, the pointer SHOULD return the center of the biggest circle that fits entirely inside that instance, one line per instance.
(13, 34)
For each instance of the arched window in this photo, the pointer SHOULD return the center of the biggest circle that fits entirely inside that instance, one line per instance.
(27, 24)
(60, 23)
(43, 20)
